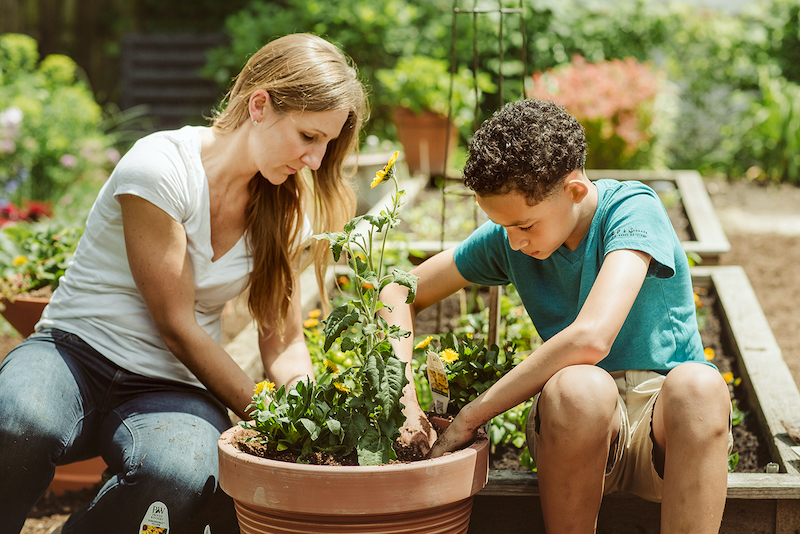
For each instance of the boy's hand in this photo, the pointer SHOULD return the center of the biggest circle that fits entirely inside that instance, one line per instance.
(453, 438)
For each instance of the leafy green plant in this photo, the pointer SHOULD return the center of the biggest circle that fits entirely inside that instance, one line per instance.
(422, 83)
(357, 408)
(768, 136)
(34, 256)
(471, 367)
(50, 125)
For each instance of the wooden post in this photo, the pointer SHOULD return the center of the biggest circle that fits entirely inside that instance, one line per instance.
(493, 335)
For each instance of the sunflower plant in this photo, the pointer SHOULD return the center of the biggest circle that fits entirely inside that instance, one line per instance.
(355, 408)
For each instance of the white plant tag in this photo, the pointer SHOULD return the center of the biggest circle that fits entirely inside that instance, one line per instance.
(437, 378)
(156, 520)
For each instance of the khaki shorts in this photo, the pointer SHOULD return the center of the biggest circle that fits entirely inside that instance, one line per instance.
(630, 462)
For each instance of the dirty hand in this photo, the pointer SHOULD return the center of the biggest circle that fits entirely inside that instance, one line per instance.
(453, 438)
(417, 431)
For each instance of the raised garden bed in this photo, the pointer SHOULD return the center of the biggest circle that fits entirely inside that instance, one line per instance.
(684, 192)
(758, 502)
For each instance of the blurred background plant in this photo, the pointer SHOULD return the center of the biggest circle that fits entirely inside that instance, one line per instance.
(622, 105)
(56, 143)
(34, 255)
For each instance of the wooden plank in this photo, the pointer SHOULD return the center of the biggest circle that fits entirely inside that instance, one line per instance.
(763, 371)
(710, 240)
(787, 517)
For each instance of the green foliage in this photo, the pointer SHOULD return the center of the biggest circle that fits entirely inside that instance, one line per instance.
(421, 83)
(471, 367)
(35, 255)
(358, 408)
(50, 125)
(768, 136)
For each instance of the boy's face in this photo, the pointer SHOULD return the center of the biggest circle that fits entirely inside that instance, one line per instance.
(537, 230)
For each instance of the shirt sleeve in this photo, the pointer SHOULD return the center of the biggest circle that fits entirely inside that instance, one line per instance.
(637, 220)
(153, 170)
(482, 258)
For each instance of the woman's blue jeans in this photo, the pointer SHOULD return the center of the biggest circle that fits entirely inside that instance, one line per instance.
(61, 401)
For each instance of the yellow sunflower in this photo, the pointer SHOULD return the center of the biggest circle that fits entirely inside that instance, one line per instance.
(424, 343)
(386, 173)
(448, 355)
(264, 385)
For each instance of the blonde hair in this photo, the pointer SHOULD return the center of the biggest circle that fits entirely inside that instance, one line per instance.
(301, 72)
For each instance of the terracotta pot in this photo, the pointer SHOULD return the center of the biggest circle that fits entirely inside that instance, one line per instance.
(423, 138)
(428, 496)
(23, 313)
(77, 476)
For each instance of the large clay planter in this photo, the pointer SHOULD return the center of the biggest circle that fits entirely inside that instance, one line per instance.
(424, 497)
(424, 138)
(23, 313)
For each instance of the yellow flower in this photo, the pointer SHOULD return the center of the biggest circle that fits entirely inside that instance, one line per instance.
(386, 173)
(448, 355)
(367, 285)
(315, 314)
(261, 386)
(709, 352)
(331, 366)
(310, 323)
(697, 302)
(20, 260)
(424, 343)
(341, 387)
(728, 377)
(343, 280)
(469, 335)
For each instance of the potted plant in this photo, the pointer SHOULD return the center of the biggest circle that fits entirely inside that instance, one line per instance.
(348, 416)
(33, 257)
(418, 88)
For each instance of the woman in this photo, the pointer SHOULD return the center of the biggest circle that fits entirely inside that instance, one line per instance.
(126, 361)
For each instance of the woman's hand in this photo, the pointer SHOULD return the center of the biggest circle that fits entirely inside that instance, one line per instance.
(417, 432)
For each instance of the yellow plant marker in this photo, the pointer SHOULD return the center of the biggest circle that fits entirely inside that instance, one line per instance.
(437, 378)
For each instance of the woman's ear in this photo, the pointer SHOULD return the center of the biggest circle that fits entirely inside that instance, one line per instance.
(257, 105)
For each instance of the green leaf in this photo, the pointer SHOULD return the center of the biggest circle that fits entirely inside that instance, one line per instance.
(407, 280)
(373, 450)
(340, 320)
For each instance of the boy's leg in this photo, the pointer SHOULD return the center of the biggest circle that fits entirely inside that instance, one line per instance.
(690, 432)
(42, 413)
(163, 449)
(579, 418)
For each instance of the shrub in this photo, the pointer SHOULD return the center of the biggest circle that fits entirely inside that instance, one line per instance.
(50, 125)
(616, 102)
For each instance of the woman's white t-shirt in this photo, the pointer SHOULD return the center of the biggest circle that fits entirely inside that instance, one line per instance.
(97, 298)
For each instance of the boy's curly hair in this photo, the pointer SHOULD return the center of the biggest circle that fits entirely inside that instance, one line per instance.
(528, 146)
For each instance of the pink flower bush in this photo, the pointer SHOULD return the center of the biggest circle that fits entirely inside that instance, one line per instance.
(614, 102)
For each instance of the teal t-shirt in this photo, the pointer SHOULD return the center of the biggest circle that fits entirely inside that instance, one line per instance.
(660, 331)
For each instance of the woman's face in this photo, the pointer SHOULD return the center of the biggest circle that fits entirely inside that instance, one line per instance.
(284, 144)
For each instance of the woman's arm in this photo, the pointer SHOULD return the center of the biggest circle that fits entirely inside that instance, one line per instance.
(287, 360)
(158, 257)
(586, 341)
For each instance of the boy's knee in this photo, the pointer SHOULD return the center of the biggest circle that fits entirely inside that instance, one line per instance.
(696, 399)
(578, 398)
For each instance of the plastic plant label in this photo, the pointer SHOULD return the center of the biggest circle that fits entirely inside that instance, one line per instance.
(437, 378)
(156, 520)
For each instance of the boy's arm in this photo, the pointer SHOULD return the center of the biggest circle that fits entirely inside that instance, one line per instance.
(438, 278)
(586, 341)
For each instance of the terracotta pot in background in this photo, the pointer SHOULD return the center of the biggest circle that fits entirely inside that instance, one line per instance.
(423, 138)
(417, 497)
(23, 313)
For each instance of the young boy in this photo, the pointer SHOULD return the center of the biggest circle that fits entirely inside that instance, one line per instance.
(623, 397)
